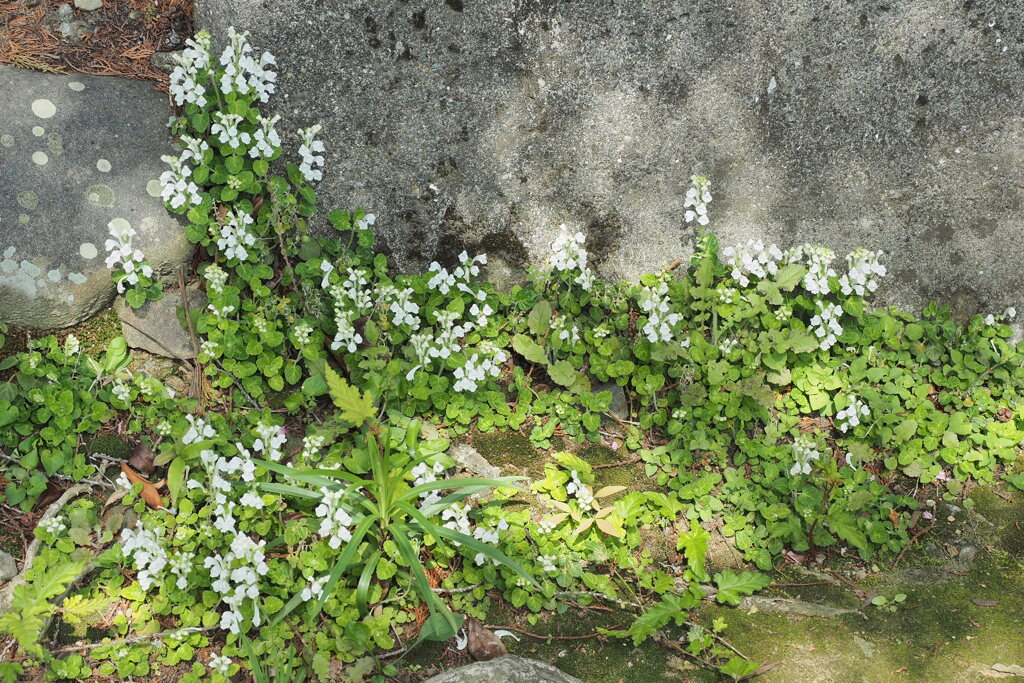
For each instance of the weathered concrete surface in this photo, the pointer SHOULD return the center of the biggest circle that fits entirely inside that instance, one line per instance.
(486, 124)
(75, 152)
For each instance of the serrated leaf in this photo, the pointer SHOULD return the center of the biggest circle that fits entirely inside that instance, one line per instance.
(790, 276)
(356, 407)
(732, 585)
(694, 544)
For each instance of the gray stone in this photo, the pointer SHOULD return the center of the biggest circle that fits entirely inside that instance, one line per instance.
(469, 459)
(88, 5)
(8, 566)
(484, 125)
(75, 153)
(967, 553)
(618, 406)
(155, 325)
(164, 61)
(507, 669)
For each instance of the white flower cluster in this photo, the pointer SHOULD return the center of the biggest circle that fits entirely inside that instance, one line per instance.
(863, 267)
(149, 556)
(195, 148)
(697, 199)
(184, 83)
(220, 664)
(560, 326)
(567, 253)
(311, 445)
(235, 236)
(266, 140)
(177, 188)
(728, 295)
(580, 490)
(271, 439)
(660, 323)
(819, 266)
(225, 127)
(851, 415)
(491, 536)
(53, 525)
(181, 566)
(311, 152)
(404, 311)
(121, 390)
(315, 589)
(727, 346)
(804, 451)
(236, 578)
(243, 74)
(547, 563)
(478, 369)
(426, 474)
(443, 281)
(124, 256)
(198, 430)
(334, 519)
(826, 324)
(752, 259)
(216, 278)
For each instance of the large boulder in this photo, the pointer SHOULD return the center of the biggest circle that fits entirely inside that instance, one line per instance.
(484, 125)
(507, 669)
(76, 152)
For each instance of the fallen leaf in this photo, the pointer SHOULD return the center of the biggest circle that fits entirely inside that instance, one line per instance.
(984, 603)
(894, 518)
(114, 497)
(149, 493)
(142, 458)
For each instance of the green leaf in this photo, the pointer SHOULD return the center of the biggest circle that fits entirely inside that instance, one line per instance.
(539, 320)
(694, 543)
(845, 526)
(175, 478)
(529, 349)
(563, 373)
(356, 407)
(790, 276)
(738, 668)
(732, 585)
(960, 424)
(906, 429)
(117, 355)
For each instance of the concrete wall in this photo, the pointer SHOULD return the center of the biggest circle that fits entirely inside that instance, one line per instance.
(485, 124)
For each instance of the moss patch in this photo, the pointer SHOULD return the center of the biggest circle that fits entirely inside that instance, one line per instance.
(110, 445)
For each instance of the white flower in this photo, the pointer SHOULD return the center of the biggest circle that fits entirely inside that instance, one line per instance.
(826, 324)
(547, 563)
(185, 82)
(334, 519)
(225, 127)
(315, 589)
(220, 664)
(53, 525)
(853, 414)
(149, 556)
(582, 492)
(235, 236)
(198, 430)
(123, 256)
(752, 260)
(863, 267)
(266, 140)
(121, 391)
(310, 150)
(660, 325)
(567, 252)
(697, 199)
(804, 452)
(177, 189)
(819, 266)
(271, 439)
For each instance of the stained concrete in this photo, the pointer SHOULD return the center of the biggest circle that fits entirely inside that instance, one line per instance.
(486, 124)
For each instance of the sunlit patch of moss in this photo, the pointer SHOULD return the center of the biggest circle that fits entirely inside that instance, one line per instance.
(110, 445)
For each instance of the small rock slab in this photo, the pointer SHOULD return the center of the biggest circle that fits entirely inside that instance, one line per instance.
(76, 152)
(469, 459)
(155, 325)
(8, 567)
(507, 669)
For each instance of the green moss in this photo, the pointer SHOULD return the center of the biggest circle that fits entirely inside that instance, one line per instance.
(631, 476)
(509, 448)
(110, 445)
(1006, 516)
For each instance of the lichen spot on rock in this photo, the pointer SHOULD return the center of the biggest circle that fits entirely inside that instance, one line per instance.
(87, 250)
(154, 188)
(43, 108)
(77, 278)
(28, 199)
(6, 140)
(77, 86)
(40, 158)
(103, 166)
(38, 131)
(55, 143)
(23, 218)
(100, 195)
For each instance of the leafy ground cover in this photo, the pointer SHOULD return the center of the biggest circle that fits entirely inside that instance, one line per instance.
(297, 510)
